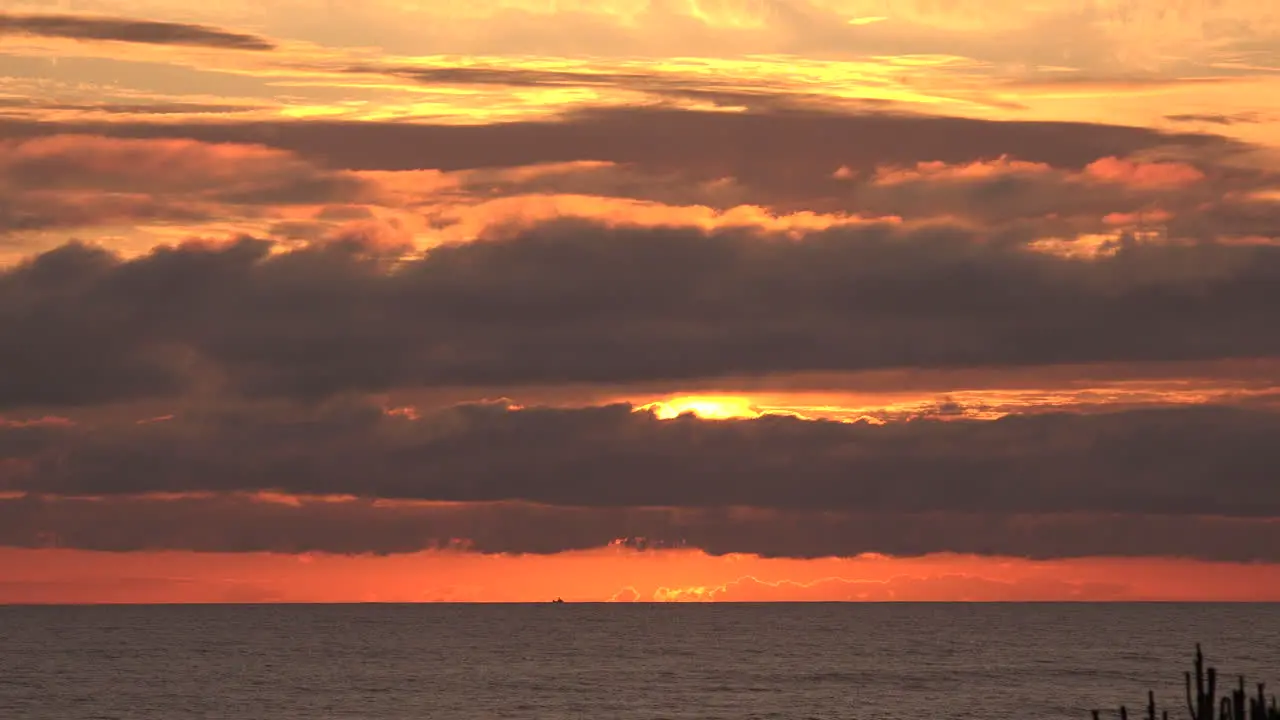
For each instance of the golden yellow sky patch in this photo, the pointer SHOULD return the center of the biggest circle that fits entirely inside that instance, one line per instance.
(1197, 58)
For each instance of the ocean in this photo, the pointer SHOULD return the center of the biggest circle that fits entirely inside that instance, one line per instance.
(618, 661)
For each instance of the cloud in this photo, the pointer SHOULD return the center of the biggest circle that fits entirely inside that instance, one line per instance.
(1107, 171)
(222, 171)
(1003, 196)
(1151, 175)
(65, 181)
(34, 211)
(577, 302)
(1140, 462)
(1006, 192)
(157, 397)
(106, 184)
(118, 108)
(244, 523)
(90, 27)
(1216, 119)
(1103, 36)
(1051, 179)
(786, 87)
(708, 144)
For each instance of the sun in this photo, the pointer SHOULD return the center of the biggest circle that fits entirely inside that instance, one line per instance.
(707, 407)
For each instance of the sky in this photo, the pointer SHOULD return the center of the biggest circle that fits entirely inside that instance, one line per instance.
(639, 300)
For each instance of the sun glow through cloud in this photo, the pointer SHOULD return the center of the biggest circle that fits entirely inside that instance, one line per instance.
(629, 300)
(708, 408)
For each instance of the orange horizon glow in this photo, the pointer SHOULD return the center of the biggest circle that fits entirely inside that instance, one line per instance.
(612, 574)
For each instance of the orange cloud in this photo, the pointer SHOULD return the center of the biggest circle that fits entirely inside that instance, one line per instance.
(1133, 173)
(977, 170)
(1144, 175)
(974, 403)
(513, 214)
(129, 187)
(1137, 218)
(123, 165)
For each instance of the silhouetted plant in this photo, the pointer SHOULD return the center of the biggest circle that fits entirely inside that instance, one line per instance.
(1238, 706)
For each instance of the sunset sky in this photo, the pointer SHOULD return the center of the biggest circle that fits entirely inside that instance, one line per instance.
(639, 300)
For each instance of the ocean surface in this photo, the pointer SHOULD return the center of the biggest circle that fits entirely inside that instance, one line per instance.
(625, 662)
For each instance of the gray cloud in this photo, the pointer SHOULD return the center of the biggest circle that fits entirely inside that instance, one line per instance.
(75, 181)
(788, 146)
(1007, 197)
(1198, 461)
(236, 523)
(575, 302)
(1214, 118)
(699, 158)
(53, 210)
(151, 32)
(222, 172)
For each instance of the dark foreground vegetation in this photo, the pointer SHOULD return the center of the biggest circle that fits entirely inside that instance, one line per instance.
(1203, 702)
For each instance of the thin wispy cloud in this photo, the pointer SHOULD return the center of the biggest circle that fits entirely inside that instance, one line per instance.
(128, 30)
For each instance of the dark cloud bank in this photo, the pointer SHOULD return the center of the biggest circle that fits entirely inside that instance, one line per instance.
(784, 146)
(785, 160)
(1195, 482)
(151, 32)
(579, 302)
(1182, 461)
(582, 303)
(236, 524)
